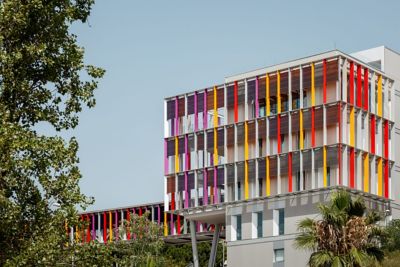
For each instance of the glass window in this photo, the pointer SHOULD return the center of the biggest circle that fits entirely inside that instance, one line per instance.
(259, 224)
(281, 221)
(279, 255)
(238, 227)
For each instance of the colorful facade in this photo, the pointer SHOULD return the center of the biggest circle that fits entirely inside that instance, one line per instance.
(316, 122)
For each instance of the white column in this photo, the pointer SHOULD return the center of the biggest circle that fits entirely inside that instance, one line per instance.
(301, 87)
(344, 78)
(372, 93)
(279, 185)
(345, 173)
(194, 243)
(313, 182)
(246, 108)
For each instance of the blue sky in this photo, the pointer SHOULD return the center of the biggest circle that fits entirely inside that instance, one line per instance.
(155, 49)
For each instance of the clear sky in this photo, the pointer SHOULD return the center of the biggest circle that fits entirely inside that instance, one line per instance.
(155, 49)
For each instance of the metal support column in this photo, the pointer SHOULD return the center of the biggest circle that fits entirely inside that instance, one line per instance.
(194, 243)
(213, 253)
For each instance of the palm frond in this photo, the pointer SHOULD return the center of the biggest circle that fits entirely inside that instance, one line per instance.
(306, 225)
(306, 241)
(321, 258)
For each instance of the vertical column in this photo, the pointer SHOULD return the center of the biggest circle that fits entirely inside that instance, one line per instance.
(176, 154)
(278, 130)
(246, 157)
(178, 224)
(196, 116)
(215, 107)
(116, 225)
(256, 101)
(235, 101)
(205, 187)
(366, 89)
(128, 218)
(351, 85)
(366, 173)
(312, 127)
(205, 112)
(268, 105)
(324, 80)
(372, 130)
(278, 91)
(290, 177)
(324, 167)
(343, 64)
(386, 177)
(267, 177)
(289, 91)
(104, 227)
(352, 130)
(110, 226)
(301, 87)
(165, 224)
(386, 138)
(215, 185)
(158, 214)
(379, 106)
(301, 129)
(215, 147)
(312, 84)
(359, 84)
(339, 140)
(246, 106)
(379, 176)
(93, 234)
(351, 169)
(176, 116)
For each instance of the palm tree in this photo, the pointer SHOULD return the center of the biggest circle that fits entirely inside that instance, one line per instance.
(346, 235)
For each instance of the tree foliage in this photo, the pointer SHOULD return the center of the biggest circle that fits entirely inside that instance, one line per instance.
(43, 80)
(346, 235)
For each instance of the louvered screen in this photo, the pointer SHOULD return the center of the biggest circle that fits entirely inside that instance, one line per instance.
(231, 173)
(220, 176)
(210, 141)
(272, 127)
(251, 91)
(240, 171)
(240, 134)
(295, 77)
(170, 184)
(307, 119)
(210, 100)
(181, 145)
(181, 107)
(284, 124)
(261, 168)
(251, 131)
(332, 71)
(262, 129)
(200, 141)
(170, 109)
(200, 179)
(210, 177)
(283, 164)
(295, 162)
(332, 115)
(220, 141)
(318, 117)
(220, 98)
(171, 147)
(318, 158)
(307, 78)
(284, 83)
(272, 85)
(190, 104)
(307, 160)
(230, 91)
(332, 156)
(191, 180)
(241, 92)
(191, 142)
(251, 170)
(273, 167)
(261, 88)
(200, 102)
(230, 136)
(319, 78)
(181, 182)
(295, 120)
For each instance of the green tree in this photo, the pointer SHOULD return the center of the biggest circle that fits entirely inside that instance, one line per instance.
(392, 237)
(43, 81)
(346, 234)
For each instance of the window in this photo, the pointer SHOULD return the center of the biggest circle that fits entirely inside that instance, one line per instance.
(257, 222)
(279, 222)
(236, 227)
(279, 255)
